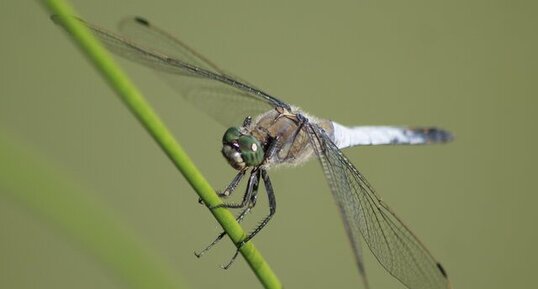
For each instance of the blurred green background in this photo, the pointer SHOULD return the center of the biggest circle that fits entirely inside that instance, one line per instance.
(468, 66)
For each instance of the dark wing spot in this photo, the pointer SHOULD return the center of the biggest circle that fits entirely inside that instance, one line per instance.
(142, 21)
(442, 270)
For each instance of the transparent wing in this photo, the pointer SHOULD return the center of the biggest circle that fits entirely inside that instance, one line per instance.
(225, 98)
(364, 213)
(148, 35)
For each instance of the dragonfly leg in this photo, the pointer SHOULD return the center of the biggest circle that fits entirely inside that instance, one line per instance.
(246, 197)
(272, 210)
(251, 194)
(272, 206)
(231, 187)
(247, 121)
(271, 148)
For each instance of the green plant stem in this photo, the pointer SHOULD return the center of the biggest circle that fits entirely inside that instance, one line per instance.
(133, 99)
(36, 184)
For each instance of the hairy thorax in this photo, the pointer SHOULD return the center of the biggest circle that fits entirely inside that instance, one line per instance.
(290, 132)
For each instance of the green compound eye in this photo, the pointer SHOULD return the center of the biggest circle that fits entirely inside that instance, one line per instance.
(251, 150)
(231, 135)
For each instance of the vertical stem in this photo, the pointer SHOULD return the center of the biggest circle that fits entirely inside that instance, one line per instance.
(134, 100)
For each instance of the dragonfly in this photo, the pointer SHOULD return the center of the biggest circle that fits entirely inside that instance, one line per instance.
(274, 133)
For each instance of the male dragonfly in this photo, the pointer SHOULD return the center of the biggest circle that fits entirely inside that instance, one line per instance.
(274, 133)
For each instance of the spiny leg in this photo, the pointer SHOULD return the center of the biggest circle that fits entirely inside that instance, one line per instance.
(272, 205)
(272, 148)
(270, 151)
(231, 187)
(246, 197)
(272, 210)
(247, 121)
(250, 195)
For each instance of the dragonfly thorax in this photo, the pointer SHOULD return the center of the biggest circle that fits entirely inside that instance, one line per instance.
(241, 150)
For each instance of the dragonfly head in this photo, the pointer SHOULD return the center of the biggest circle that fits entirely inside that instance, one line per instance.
(241, 150)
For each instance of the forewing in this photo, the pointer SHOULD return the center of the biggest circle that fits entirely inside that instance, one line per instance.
(148, 35)
(225, 98)
(364, 213)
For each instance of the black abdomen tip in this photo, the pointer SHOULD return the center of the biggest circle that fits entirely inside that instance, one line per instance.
(142, 21)
(433, 134)
(440, 135)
